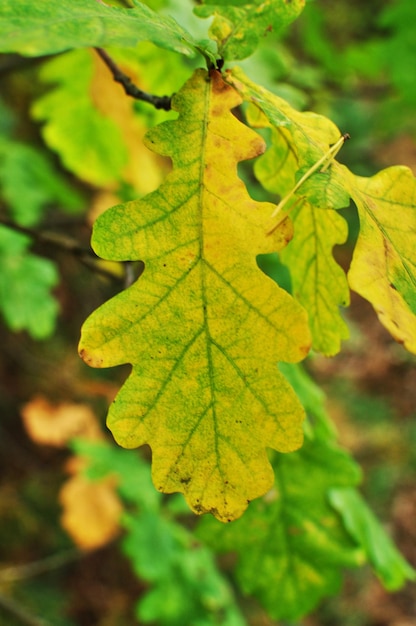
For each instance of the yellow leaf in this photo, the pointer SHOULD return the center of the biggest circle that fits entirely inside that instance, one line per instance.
(57, 424)
(91, 511)
(383, 268)
(203, 327)
(143, 170)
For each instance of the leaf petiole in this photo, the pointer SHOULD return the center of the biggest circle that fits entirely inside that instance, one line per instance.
(327, 159)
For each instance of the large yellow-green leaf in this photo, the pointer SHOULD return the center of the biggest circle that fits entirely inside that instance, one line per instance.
(298, 141)
(203, 327)
(383, 268)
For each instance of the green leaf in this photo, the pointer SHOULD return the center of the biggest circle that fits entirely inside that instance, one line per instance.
(203, 327)
(239, 26)
(383, 268)
(309, 135)
(187, 586)
(30, 183)
(45, 27)
(25, 284)
(392, 569)
(89, 143)
(292, 540)
(319, 424)
(318, 282)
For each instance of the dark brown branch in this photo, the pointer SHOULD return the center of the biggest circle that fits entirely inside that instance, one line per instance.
(85, 254)
(159, 102)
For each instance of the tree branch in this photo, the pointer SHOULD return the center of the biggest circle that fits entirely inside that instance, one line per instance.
(13, 608)
(84, 253)
(159, 102)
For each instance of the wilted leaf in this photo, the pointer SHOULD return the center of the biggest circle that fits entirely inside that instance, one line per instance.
(46, 27)
(26, 281)
(239, 26)
(57, 424)
(383, 268)
(308, 135)
(203, 327)
(291, 545)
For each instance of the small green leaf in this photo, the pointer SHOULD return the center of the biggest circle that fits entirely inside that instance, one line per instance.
(45, 27)
(239, 25)
(89, 143)
(30, 183)
(389, 565)
(25, 284)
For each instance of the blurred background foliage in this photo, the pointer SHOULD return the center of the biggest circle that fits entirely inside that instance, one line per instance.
(70, 146)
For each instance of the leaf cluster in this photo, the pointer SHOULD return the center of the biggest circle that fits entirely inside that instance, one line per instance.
(203, 327)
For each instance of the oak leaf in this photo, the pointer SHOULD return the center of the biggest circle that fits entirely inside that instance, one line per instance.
(203, 327)
(298, 141)
(383, 268)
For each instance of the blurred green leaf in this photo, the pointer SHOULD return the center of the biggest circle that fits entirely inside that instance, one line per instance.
(46, 27)
(389, 565)
(29, 183)
(26, 281)
(90, 144)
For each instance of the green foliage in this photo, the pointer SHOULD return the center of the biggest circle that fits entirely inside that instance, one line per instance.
(89, 143)
(211, 339)
(47, 28)
(30, 184)
(25, 283)
(186, 585)
(238, 27)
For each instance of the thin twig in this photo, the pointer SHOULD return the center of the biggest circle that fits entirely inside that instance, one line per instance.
(84, 254)
(159, 102)
(34, 568)
(13, 608)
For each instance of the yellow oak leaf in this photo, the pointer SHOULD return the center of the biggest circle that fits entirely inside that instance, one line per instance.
(203, 327)
(383, 269)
